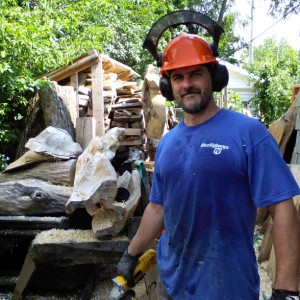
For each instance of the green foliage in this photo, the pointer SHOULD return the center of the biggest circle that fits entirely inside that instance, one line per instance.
(284, 7)
(169, 103)
(38, 36)
(276, 68)
(234, 101)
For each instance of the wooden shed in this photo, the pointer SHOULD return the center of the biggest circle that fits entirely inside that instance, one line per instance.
(105, 95)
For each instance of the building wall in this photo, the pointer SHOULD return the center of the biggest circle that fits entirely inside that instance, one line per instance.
(239, 82)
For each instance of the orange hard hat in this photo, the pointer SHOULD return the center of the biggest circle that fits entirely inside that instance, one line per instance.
(186, 50)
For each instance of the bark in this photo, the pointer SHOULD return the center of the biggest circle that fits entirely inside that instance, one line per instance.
(51, 107)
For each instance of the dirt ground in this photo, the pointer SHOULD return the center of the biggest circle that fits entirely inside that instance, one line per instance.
(102, 288)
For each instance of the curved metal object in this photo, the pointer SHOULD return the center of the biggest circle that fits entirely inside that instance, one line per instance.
(176, 18)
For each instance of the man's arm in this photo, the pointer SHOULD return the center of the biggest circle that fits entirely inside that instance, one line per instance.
(151, 226)
(286, 233)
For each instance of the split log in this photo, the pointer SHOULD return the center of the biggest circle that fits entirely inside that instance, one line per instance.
(50, 145)
(132, 142)
(97, 185)
(272, 258)
(68, 248)
(154, 110)
(262, 215)
(52, 107)
(96, 179)
(32, 197)
(55, 172)
(56, 142)
(85, 130)
(128, 119)
(84, 91)
(154, 105)
(267, 242)
(110, 221)
(135, 104)
(283, 128)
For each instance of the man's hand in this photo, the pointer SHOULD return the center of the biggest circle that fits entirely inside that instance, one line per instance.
(126, 267)
(284, 295)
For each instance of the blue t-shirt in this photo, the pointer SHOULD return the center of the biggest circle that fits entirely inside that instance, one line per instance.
(211, 178)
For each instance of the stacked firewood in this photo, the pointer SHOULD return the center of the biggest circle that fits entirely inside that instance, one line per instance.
(122, 106)
(127, 112)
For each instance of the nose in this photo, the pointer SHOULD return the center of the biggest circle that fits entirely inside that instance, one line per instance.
(186, 82)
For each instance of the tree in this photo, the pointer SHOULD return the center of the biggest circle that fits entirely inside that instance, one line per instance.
(220, 11)
(275, 66)
(284, 7)
(38, 36)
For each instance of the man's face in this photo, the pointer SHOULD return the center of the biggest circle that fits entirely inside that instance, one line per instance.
(192, 88)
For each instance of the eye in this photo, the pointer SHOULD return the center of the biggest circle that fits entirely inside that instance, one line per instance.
(176, 77)
(197, 73)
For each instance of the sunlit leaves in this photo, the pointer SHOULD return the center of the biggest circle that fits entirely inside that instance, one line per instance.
(276, 66)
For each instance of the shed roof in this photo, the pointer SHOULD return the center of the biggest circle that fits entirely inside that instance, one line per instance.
(85, 61)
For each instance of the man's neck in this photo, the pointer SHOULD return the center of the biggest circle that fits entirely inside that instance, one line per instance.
(203, 116)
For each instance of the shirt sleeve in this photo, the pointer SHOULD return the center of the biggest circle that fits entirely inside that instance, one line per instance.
(270, 178)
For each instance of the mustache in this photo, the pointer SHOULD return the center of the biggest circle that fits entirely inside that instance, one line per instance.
(190, 90)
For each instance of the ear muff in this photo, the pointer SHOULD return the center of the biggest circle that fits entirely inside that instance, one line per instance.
(165, 88)
(220, 77)
(219, 74)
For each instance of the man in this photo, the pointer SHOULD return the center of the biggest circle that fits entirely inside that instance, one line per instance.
(211, 173)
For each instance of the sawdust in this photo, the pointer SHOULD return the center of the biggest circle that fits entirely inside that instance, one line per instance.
(103, 286)
(60, 236)
(53, 236)
(103, 219)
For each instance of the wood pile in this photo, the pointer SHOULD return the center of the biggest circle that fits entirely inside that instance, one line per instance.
(100, 77)
(127, 112)
(284, 132)
(95, 188)
(122, 105)
(44, 182)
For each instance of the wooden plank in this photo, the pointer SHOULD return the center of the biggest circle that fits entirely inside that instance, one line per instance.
(68, 248)
(28, 268)
(97, 97)
(133, 131)
(127, 100)
(272, 265)
(132, 143)
(128, 119)
(295, 169)
(74, 247)
(283, 128)
(74, 83)
(85, 131)
(136, 104)
(32, 222)
(83, 62)
(267, 242)
(295, 91)
(118, 67)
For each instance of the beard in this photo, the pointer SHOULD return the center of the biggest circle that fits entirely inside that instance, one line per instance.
(195, 104)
